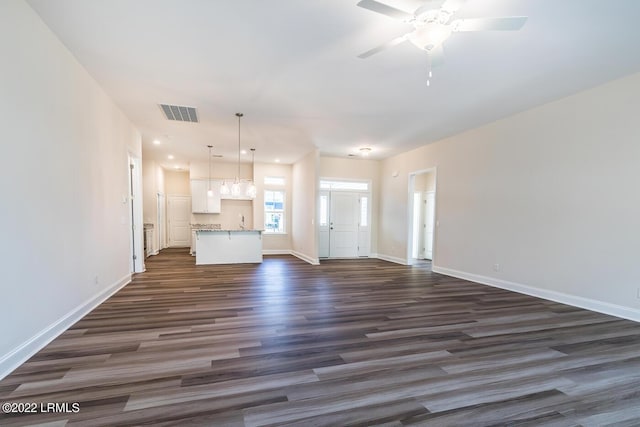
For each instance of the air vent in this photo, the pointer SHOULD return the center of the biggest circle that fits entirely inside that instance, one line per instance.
(180, 113)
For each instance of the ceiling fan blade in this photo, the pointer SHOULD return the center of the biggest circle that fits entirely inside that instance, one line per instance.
(382, 47)
(384, 9)
(509, 23)
(452, 6)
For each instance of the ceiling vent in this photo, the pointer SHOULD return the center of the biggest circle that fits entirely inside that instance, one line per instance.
(179, 113)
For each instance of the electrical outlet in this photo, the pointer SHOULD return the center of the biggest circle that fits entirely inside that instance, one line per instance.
(496, 267)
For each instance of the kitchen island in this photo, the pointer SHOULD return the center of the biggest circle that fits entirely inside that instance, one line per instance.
(228, 246)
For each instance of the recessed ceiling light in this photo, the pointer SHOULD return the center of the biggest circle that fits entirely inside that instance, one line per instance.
(170, 156)
(244, 152)
(156, 142)
(277, 160)
(177, 167)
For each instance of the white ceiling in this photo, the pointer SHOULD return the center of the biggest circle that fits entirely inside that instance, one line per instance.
(291, 67)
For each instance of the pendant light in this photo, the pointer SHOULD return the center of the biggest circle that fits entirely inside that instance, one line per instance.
(235, 188)
(251, 189)
(210, 191)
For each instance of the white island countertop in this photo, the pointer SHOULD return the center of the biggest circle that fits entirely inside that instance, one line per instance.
(228, 246)
(218, 230)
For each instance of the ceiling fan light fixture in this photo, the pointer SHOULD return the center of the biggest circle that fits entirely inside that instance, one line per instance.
(428, 36)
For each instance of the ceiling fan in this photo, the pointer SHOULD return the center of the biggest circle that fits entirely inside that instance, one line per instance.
(433, 23)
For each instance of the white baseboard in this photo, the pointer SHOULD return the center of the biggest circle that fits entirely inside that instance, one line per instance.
(574, 300)
(12, 360)
(310, 260)
(391, 259)
(276, 252)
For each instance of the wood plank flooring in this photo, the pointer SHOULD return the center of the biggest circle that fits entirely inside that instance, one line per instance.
(349, 342)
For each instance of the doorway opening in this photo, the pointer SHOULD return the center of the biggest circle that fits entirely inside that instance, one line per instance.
(344, 219)
(136, 259)
(162, 222)
(422, 217)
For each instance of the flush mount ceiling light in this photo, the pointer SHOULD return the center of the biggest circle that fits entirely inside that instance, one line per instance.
(433, 25)
(365, 151)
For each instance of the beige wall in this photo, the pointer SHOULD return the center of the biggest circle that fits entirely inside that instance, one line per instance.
(273, 243)
(305, 185)
(549, 194)
(65, 218)
(425, 181)
(219, 170)
(177, 182)
(357, 169)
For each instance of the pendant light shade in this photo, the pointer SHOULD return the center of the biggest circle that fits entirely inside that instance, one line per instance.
(224, 188)
(251, 188)
(235, 188)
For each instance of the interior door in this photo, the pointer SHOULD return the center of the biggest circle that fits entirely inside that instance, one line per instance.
(343, 224)
(179, 217)
(429, 220)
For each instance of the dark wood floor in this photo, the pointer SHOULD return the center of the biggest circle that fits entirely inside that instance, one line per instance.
(348, 342)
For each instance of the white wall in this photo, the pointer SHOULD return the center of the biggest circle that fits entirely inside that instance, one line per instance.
(64, 220)
(305, 188)
(357, 169)
(550, 194)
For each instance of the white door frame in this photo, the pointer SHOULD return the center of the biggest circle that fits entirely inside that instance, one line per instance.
(368, 193)
(162, 220)
(136, 223)
(411, 190)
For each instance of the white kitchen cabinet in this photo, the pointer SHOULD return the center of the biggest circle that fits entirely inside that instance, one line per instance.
(201, 202)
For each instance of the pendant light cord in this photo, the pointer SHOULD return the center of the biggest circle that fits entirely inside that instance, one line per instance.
(210, 147)
(239, 117)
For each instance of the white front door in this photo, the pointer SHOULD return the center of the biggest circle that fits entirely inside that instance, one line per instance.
(179, 217)
(343, 225)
